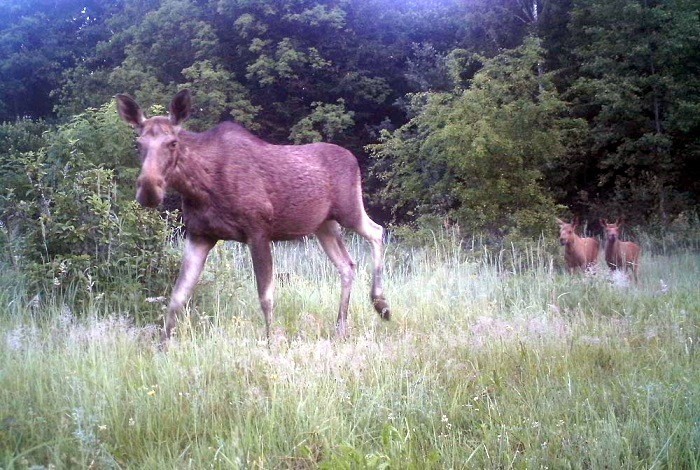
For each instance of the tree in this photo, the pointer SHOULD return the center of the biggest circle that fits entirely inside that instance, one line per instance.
(152, 44)
(38, 41)
(477, 155)
(218, 94)
(640, 101)
(292, 54)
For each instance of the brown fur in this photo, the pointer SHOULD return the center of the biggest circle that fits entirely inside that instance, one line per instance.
(236, 186)
(579, 252)
(619, 254)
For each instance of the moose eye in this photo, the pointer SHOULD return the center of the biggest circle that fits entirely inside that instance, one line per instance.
(172, 145)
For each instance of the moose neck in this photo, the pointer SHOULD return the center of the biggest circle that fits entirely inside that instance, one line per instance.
(575, 241)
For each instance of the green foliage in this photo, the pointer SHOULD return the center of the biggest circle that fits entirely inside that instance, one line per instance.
(69, 222)
(216, 92)
(170, 38)
(429, 69)
(95, 138)
(15, 139)
(641, 105)
(148, 56)
(325, 122)
(319, 15)
(426, 72)
(284, 62)
(39, 40)
(496, 25)
(477, 156)
(294, 54)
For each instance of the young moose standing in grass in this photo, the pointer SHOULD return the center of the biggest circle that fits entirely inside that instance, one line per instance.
(235, 186)
(619, 254)
(579, 252)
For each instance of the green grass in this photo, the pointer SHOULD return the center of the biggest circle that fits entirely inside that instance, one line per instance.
(491, 360)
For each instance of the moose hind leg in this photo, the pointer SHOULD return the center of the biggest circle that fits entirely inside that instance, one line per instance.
(373, 233)
(634, 267)
(331, 240)
(193, 259)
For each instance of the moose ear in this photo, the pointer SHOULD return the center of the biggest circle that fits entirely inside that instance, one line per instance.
(559, 221)
(130, 111)
(180, 107)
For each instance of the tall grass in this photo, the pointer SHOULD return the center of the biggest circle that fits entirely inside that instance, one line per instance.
(492, 359)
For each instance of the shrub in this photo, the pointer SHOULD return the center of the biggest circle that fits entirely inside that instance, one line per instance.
(68, 222)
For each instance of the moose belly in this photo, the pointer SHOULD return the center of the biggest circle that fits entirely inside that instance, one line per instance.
(297, 218)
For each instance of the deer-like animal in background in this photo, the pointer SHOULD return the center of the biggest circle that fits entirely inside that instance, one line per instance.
(619, 254)
(235, 186)
(579, 252)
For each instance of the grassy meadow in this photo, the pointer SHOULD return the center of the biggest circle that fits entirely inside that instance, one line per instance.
(492, 359)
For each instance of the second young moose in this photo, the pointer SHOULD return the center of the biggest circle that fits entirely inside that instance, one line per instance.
(235, 186)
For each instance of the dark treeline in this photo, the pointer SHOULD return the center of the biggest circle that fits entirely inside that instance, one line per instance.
(492, 114)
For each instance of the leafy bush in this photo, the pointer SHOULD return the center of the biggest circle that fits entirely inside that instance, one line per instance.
(326, 121)
(69, 222)
(477, 156)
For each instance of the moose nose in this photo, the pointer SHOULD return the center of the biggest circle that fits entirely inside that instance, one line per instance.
(149, 192)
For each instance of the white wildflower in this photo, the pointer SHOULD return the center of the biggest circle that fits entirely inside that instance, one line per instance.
(620, 279)
(14, 339)
(66, 317)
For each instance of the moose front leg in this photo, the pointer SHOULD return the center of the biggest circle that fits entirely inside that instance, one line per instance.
(195, 255)
(261, 253)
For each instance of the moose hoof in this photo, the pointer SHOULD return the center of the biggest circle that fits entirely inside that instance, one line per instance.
(382, 308)
(165, 338)
(162, 345)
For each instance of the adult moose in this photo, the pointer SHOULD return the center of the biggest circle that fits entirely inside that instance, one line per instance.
(619, 254)
(235, 186)
(579, 252)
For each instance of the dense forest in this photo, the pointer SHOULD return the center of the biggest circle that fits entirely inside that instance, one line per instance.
(494, 115)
